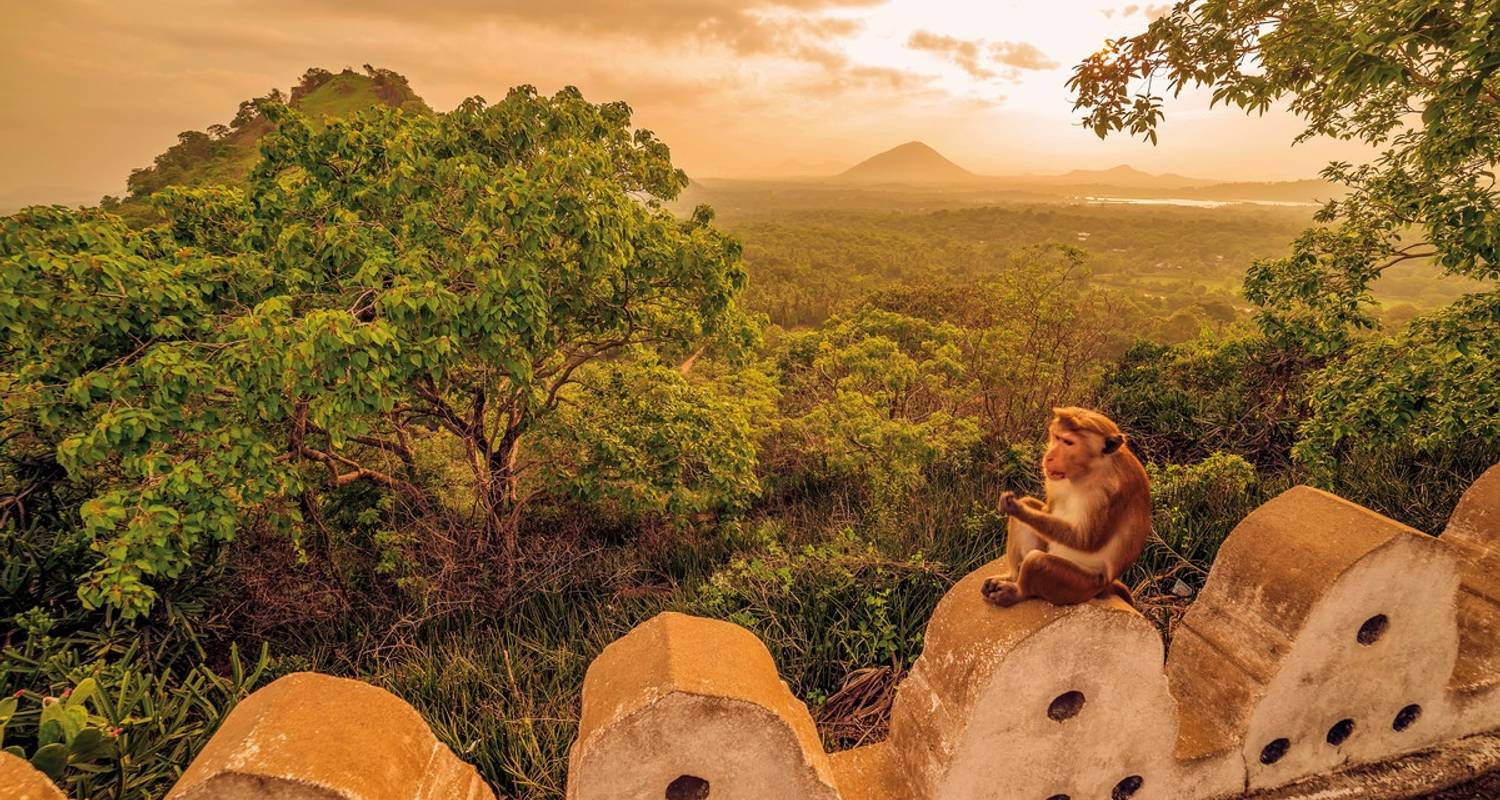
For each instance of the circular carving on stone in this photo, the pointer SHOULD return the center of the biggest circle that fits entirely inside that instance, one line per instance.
(1373, 629)
(1059, 797)
(1406, 717)
(688, 787)
(1272, 753)
(1340, 732)
(1126, 789)
(1065, 706)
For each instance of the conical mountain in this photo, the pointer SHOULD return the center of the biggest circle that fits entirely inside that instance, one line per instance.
(912, 163)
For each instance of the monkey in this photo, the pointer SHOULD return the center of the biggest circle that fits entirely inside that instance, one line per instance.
(1074, 546)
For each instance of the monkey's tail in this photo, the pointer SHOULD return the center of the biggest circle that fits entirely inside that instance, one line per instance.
(1121, 591)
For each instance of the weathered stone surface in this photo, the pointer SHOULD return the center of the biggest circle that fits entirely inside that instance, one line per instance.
(1409, 776)
(1320, 622)
(315, 737)
(1473, 533)
(872, 772)
(686, 708)
(21, 781)
(1036, 701)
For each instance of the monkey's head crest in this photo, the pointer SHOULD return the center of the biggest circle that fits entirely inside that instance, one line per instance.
(1075, 418)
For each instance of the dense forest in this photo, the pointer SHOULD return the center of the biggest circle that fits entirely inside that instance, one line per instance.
(1177, 270)
(449, 401)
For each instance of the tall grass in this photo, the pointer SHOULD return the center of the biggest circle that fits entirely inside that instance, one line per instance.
(839, 595)
(828, 593)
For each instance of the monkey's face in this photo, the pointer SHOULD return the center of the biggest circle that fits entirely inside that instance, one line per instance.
(1070, 453)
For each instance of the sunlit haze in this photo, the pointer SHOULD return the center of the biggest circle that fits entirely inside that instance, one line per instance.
(762, 88)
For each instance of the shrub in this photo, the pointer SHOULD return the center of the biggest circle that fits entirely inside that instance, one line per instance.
(1195, 506)
(114, 720)
(826, 609)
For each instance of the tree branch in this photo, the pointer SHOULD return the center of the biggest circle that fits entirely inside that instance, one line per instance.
(398, 449)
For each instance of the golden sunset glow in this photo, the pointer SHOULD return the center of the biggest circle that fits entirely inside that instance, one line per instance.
(770, 399)
(780, 88)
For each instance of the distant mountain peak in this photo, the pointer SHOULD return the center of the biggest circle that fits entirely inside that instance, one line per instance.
(911, 163)
(1128, 176)
(913, 146)
(1116, 170)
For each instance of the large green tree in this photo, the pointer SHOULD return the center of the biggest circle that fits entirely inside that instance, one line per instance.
(1417, 80)
(382, 280)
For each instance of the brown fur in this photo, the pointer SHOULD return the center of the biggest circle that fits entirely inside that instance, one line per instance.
(1097, 513)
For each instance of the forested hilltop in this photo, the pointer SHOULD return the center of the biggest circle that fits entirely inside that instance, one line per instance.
(449, 401)
(225, 153)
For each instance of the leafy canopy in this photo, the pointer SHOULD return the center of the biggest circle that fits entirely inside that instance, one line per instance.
(1419, 80)
(874, 397)
(643, 441)
(382, 277)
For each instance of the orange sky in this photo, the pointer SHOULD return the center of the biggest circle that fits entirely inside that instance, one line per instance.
(93, 88)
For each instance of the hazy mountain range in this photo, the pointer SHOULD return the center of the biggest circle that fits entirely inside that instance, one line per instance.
(915, 164)
(225, 153)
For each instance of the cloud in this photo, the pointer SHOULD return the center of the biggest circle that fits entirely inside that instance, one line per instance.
(885, 81)
(1149, 11)
(978, 57)
(963, 52)
(797, 29)
(796, 44)
(1021, 55)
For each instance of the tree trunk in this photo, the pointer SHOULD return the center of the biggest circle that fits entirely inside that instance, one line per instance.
(499, 496)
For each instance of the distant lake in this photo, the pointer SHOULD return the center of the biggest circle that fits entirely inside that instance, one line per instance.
(1183, 201)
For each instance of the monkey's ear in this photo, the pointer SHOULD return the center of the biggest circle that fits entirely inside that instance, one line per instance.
(1112, 443)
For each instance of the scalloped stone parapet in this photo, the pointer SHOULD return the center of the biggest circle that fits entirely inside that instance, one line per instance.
(686, 708)
(1324, 636)
(1076, 694)
(872, 772)
(1473, 533)
(1332, 655)
(21, 781)
(316, 737)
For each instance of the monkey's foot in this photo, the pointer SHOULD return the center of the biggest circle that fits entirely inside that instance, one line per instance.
(1001, 590)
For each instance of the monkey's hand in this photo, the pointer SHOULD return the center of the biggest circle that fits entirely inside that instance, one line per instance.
(1009, 505)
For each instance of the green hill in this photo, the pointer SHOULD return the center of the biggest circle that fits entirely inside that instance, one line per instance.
(224, 154)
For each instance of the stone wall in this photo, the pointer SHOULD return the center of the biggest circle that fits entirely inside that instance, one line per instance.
(1333, 653)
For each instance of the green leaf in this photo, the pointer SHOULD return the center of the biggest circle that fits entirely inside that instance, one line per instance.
(51, 759)
(85, 689)
(60, 722)
(89, 744)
